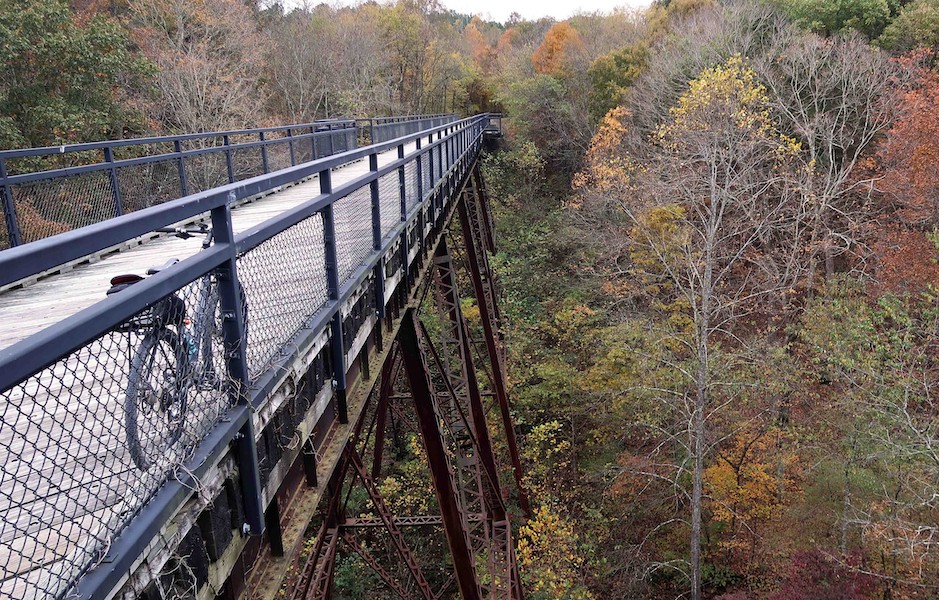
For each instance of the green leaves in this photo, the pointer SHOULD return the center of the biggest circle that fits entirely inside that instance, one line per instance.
(829, 17)
(64, 80)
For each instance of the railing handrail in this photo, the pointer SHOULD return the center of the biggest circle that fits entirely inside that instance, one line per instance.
(21, 262)
(244, 153)
(165, 139)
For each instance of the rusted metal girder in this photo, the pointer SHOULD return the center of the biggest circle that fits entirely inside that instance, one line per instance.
(449, 298)
(349, 538)
(444, 390)
(316, 582)
(471, 220)
(495, 539)
(448, 494)
(388, 519)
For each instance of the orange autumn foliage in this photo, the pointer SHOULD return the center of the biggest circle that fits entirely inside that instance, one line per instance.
(560, 44)
(482, 52)
(909, 157)
(906, 260)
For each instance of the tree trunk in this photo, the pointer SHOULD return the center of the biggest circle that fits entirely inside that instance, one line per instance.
(697, 433)
(696, 491)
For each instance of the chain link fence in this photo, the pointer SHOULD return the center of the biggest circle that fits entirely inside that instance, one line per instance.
(285, 278)
(46, 191)
(90, 439)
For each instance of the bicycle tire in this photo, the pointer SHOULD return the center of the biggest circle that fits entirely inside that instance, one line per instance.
(152, 395)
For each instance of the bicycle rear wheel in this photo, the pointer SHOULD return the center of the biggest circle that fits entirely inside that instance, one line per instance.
(155, 404)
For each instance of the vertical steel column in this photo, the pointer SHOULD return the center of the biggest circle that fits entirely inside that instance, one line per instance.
(9, 209)
(233, 331)
(402, 185)
(484, 302)
(420, 173)
(451, 297)
(430, 161)
(293, 157)
(337, 350)
(183, 180)
(386, 387)
(464, 563)
(377, 271)
(115, 186)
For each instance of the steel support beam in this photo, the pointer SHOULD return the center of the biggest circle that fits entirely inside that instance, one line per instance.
(485, 298)
(418, 374)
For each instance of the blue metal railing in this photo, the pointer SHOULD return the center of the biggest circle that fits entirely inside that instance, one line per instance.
(45, 191)
(347, 247)
(49, 190)
(382, 129)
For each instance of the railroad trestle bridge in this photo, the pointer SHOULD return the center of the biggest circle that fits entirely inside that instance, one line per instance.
(220, 427)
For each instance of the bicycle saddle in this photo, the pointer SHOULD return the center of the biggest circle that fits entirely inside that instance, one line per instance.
(166, 265)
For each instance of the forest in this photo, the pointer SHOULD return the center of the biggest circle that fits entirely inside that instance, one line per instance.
(718, 255)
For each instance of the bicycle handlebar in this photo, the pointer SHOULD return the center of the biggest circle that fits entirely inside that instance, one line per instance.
(186, 232)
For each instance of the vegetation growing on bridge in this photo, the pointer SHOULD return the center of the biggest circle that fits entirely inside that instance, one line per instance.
(719, 255)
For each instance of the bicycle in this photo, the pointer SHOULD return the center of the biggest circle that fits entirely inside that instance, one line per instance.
(173, 357)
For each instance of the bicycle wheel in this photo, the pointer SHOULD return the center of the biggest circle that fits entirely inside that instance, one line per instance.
(155, 404)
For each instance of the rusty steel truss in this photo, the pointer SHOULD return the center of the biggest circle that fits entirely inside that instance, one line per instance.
(429, 385)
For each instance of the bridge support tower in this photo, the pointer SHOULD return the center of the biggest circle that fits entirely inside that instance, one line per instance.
(435, 376)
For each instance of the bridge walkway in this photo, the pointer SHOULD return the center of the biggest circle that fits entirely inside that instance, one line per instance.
(25, 495)
(77, 513)
(39, 304)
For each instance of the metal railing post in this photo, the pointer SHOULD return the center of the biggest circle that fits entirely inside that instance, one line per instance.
(233, 331)
(313, 155)
(115, 186)
(263, 152)
(430, 162)
(293, 157)
(228, 162)
(377, 237)
(402, 185)
(9, 209)
(420, 174)
(183, 180)
(337, 350)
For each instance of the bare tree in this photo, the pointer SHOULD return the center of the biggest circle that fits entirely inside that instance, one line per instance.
(835, 97)
(301, 60)
(712, 225)
(208, 55)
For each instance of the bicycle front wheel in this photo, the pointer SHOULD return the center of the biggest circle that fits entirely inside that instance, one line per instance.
(155, 404)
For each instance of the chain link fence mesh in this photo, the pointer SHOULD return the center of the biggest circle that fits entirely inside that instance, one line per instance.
(389, 201)
(410, 179)
(148, 185)
(45, 208)
(284, 280)
(426, 184)
(90, 439)
(353, 220)
(49, 206)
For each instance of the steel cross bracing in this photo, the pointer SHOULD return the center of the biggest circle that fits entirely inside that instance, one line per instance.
(447, 400)
(309, 301)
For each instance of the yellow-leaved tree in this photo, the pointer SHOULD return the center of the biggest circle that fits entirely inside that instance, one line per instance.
(703, 225)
